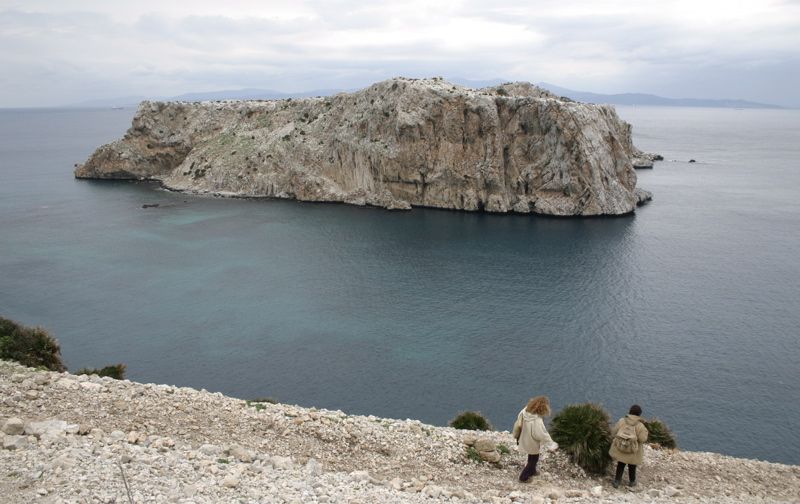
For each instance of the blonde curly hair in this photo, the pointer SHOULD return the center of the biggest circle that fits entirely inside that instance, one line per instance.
(539, 405)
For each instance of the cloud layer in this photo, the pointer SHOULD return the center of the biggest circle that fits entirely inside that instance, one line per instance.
(64, 51)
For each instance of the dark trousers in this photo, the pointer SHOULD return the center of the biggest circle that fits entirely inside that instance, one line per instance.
(621, 470)
(530, 468)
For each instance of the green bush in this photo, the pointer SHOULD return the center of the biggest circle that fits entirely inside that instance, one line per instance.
(473, 455)
(116, 371)
(660, 434)
(30, 346)
(470, 420)
(582, 431)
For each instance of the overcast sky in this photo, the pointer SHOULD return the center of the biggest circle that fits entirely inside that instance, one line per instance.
(64, 51)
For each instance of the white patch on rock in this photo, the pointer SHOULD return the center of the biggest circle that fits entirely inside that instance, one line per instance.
(11, 442)
(313, 468)
(360, 476)
(46, 427)
(283, 463)
(230, 481)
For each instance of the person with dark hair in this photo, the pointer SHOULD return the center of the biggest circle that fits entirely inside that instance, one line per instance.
(627, 445)
(531, 434)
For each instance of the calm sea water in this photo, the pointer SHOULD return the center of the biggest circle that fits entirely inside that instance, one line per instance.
(689, 308)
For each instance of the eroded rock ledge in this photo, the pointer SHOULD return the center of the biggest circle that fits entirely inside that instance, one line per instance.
(396, 144)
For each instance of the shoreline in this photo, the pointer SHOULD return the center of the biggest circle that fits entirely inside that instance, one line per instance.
(177, 444)
(236, 196)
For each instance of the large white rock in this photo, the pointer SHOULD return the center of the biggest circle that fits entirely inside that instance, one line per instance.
(210, 449)
(230, 481)
(14, 442)
(360, 476)
(484, 445)
(46, 427)
(492, 456)
(241, 454)
(14, 426)
(432, 491)
(313, 468)
(91, 386)
(396, 144)
(284, 463)
(67, 383)
(41, 378)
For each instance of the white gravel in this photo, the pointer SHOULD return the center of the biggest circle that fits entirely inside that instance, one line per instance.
(71, 439)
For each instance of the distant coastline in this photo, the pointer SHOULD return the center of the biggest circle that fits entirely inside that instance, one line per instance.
(654, 100)
(627, 98)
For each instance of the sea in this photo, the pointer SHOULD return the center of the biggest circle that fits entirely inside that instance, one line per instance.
(689, 308)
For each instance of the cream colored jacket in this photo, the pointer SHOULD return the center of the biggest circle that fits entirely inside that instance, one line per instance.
(641, 434)
(533, 435)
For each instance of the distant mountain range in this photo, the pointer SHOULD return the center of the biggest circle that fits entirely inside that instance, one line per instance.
(583, 96)
(649, 99)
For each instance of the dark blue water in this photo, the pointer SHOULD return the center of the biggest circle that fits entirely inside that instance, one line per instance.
(689, 308)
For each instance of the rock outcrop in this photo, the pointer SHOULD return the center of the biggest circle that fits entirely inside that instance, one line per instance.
(644, 160)
(396, 144)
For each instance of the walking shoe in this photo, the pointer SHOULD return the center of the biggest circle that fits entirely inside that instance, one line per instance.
(633, 483)
(615, 483)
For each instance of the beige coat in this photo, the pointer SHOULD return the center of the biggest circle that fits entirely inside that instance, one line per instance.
(532, 433)
(641, 435)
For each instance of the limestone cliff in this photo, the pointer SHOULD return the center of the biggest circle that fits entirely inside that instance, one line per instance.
(396, 144)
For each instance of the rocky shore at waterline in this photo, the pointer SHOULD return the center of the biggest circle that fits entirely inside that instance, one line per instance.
(396, 144)
(86, 439)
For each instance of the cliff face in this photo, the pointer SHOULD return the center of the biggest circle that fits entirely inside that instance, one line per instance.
(397, 144)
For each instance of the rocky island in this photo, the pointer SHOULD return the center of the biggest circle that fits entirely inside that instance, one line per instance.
(396, 144)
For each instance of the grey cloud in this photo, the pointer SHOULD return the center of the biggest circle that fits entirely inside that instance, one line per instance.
(58, 57)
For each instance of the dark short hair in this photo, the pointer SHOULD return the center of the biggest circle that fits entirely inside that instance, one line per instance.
(636, 410)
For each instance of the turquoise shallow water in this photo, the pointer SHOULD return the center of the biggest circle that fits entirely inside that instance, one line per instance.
(689, 308)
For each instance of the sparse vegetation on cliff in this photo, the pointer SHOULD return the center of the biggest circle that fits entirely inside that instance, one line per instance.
(30, 346)
(116, 371)
(35, 347)
(660, 434)
(470, 420)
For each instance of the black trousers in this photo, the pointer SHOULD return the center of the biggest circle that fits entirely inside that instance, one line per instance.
(530, 468)
(621, 470)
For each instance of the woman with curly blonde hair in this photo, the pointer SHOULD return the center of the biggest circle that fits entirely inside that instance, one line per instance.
(531, 433)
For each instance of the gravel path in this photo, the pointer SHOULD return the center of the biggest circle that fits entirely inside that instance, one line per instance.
(72, 438)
